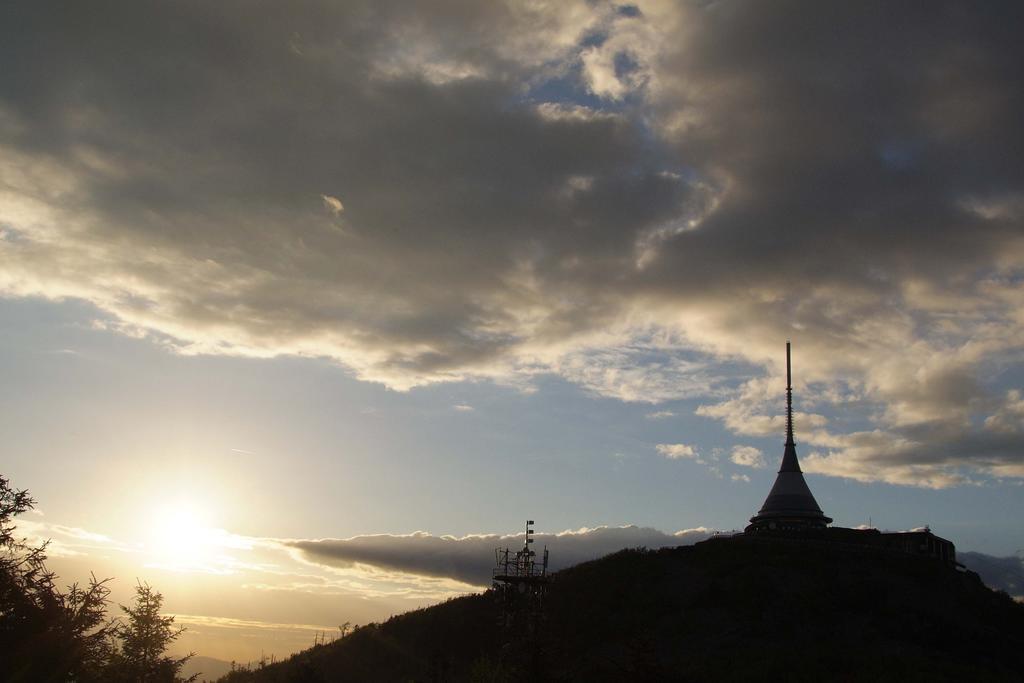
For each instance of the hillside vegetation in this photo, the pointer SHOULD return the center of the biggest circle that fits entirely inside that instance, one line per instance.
(731, 609)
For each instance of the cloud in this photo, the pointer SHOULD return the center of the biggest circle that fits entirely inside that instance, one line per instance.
(1008, 418)
(660, 415)
(68, 541)
(332, 204)
(740, 477)
(645, 203)
(747, 456)
(682, 451)
(470, 558)
(245, 624)
(677, 451)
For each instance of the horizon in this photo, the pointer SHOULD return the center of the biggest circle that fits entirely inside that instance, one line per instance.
(303, 306)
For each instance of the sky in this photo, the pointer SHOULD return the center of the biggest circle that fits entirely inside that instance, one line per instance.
(306, 306)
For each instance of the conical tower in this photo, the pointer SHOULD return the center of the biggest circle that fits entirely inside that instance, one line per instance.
(790, 504)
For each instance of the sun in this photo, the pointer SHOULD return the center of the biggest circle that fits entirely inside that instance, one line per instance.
(180, 534)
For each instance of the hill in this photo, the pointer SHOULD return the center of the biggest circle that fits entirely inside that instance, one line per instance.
(729, 609)
(207, 668)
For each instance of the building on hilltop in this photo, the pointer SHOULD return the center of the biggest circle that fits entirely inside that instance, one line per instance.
(790, 504)
(790, 510)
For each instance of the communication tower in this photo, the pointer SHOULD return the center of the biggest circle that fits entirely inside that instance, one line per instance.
(521, 583)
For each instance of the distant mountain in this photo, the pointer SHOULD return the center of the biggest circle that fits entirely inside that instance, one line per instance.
(1001, 573)
(732, 609)
(208, 668)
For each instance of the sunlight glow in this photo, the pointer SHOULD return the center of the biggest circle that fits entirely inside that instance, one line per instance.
(177, 532)
(181, 539)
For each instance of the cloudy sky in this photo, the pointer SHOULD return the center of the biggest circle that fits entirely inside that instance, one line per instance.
(273, 273)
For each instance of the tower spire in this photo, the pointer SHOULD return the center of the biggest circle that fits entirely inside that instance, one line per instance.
(789, 399)
(790, 504)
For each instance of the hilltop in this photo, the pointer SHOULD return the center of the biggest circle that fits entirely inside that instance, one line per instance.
(729, 609)
(206, 668)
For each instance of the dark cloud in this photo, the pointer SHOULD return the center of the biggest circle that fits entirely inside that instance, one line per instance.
(470, 559)
(834, 127)
(625, 198)
(213, 141)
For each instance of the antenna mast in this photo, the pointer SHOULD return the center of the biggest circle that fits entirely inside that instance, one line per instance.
(789, 398)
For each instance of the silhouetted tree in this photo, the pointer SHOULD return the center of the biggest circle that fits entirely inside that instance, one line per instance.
(141, 640)
(57, 635)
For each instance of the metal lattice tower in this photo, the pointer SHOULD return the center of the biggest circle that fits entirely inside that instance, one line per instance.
(521, 582)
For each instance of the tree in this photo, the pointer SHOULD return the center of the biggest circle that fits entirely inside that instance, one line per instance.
(48, 635)
(141, 640)
(57, 635)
